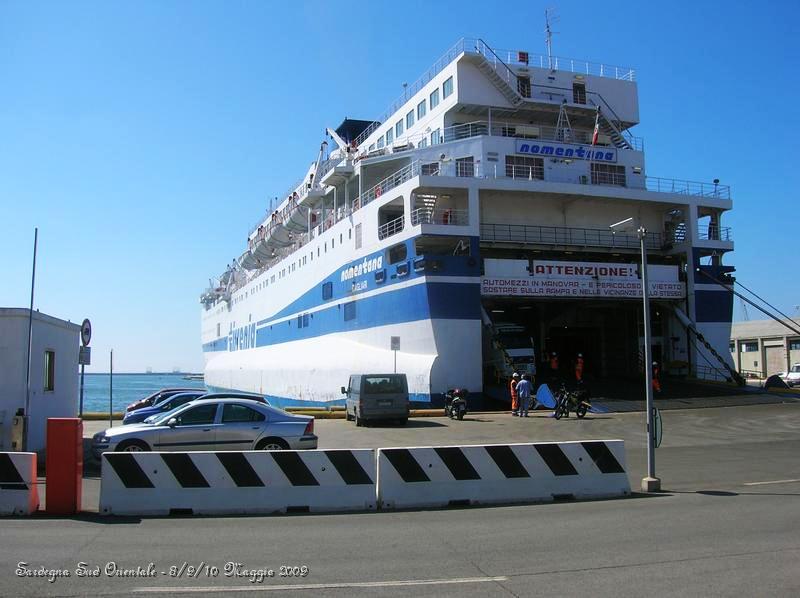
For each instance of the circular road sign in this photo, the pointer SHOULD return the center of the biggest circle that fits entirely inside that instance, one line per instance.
(86, 332)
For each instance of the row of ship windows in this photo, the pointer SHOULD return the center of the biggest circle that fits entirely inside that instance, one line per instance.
(401, 125)
(301, 261)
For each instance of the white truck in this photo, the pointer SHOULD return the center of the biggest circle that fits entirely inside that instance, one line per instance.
(517, 344)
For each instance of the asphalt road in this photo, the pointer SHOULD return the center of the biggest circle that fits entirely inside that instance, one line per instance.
(727, 524)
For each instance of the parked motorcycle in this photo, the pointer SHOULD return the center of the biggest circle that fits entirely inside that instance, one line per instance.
(575, 400)
(455, 403)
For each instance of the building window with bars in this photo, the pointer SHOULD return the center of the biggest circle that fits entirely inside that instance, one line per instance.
(578, 93)
(49, 371)
(465, 166)
(431, 169)
(525, 167)
(524, 86)
(608, 174)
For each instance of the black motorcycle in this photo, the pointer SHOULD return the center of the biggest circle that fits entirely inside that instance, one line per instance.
(571, 400)
(455, 403)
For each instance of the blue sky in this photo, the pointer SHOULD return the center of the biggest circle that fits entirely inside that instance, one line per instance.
(144, 139)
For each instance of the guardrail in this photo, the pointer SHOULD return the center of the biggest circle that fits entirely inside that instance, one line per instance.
(557, 235)
(444, 216)
(391, 228)
(477, 46)
(661, 185)
(712, 232)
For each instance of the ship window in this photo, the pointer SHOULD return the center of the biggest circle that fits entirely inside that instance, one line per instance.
(794, 345)
(327, 291)
(350, 311)
(49, 370)
(608, 174)
(579, 93)
(423, 142)
(333, 243)
(398, 128)
(465, 166)
(305, 320)
(434, 98)
(525, 167)
(349, 233)
(435, 137)
(431, 169)
(749, 347)
(358, 236)
(341, 238)
(218, 331)
(380, 142)
(410, 119)
(389, 137)
(421, 109)
(447, 88)
(397, 253)
(524, 86)
(371, 147)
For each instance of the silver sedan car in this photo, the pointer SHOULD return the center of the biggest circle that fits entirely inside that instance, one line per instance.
(233, 424)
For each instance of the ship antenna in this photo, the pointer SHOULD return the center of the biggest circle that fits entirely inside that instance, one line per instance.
(550, 17)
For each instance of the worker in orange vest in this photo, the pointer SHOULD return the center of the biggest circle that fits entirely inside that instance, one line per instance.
(553, 366)
(514, 396)
(656, 381)
(579, 367)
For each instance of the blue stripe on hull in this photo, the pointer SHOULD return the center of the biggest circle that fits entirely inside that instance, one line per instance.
(458, 301)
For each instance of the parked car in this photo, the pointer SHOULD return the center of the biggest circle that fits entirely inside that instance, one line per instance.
(792, 377)
(373, 397)
(216, 395)
(157, 396)
(213, 425)
(167, 403)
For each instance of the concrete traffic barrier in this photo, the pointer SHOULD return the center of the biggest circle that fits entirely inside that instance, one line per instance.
(494, 474)
(237, 482)
(19, 494)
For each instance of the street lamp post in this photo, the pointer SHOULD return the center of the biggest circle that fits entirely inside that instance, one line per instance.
(650, 483)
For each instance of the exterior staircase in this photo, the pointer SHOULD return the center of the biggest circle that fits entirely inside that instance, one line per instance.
(609, 129)
(498, 72)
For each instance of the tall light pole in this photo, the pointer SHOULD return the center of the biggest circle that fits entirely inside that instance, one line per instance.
(650, 483)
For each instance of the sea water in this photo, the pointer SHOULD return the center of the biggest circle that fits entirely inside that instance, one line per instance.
(127, 389)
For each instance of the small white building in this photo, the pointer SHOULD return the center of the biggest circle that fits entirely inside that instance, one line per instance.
(765, 347)
(54, 372)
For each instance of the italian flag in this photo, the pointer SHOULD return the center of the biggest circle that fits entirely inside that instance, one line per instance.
(596, 133)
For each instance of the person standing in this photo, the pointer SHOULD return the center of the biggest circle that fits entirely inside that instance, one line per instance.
(514, 396)
(579, 368)
(524, 393)
(553, 367)
(656, 374)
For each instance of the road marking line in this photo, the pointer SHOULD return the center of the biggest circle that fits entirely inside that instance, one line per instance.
(772, 482)
(319, 586)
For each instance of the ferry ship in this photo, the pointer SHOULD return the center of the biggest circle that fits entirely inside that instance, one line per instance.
(483, 195)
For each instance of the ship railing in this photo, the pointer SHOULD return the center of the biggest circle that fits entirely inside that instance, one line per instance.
(559, 235)
(501, 129)
(713, 232)
(560, 63)
(391, 228)
(662, 185)
(390, 182)
(509, 57)
(454, 52)
(444, 216)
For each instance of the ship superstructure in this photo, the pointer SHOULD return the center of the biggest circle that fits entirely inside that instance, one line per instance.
(484, 194)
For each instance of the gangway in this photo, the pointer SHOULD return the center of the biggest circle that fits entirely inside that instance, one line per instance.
(692, 329)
